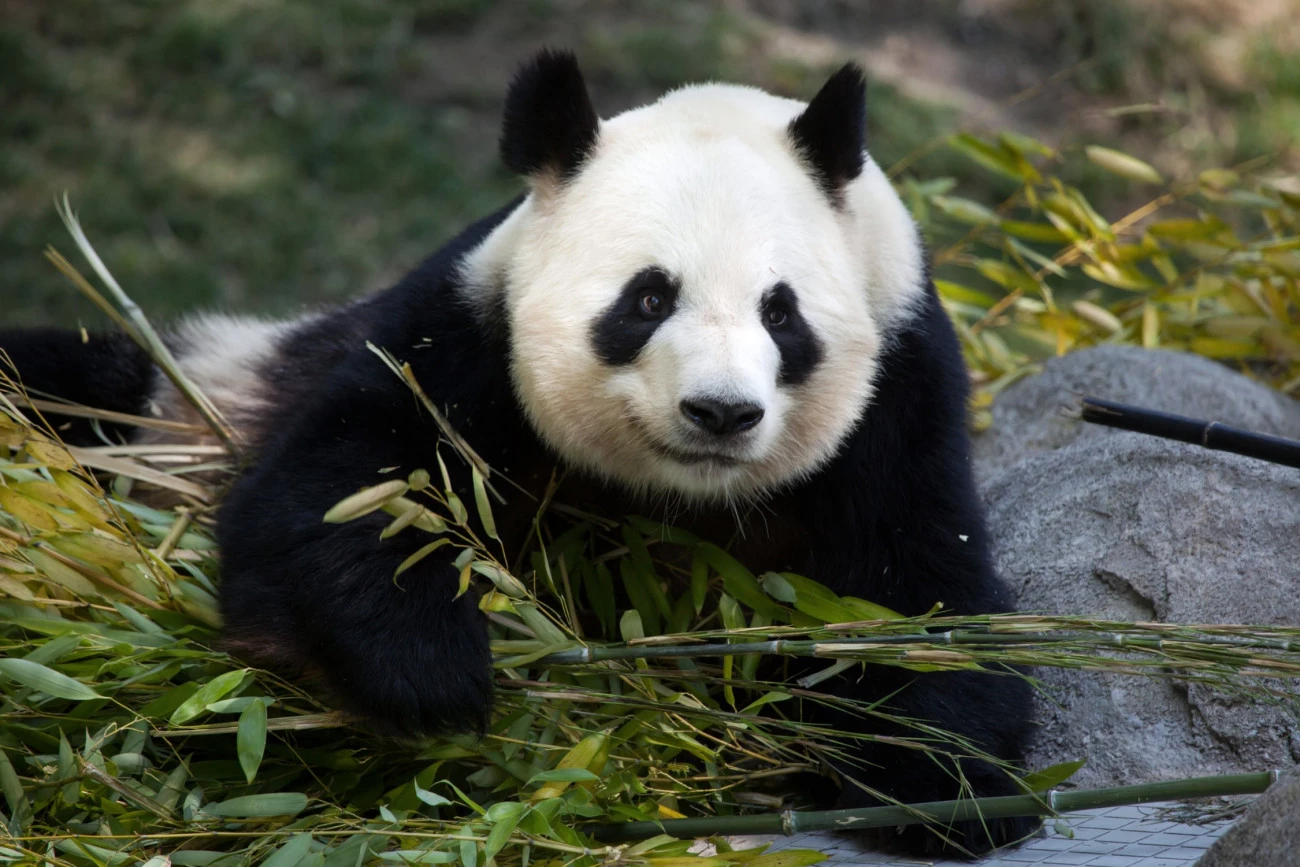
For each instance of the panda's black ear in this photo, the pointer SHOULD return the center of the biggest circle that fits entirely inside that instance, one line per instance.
(550, 125)
(831, 132)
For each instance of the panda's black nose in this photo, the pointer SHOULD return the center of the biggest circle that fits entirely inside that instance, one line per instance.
(720, 417)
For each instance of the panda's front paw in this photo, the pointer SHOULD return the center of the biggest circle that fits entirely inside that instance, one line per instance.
(963, 839)
(402, 699)
(416, 683)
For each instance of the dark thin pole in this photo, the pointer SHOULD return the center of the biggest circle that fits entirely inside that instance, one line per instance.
(1210, 434)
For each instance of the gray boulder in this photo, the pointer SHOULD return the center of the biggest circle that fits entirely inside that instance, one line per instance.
(1268, 835)
(1027, 417)
(1088, 520)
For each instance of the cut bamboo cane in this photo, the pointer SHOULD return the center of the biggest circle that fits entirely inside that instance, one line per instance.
(1049, 803)
(1210, 434)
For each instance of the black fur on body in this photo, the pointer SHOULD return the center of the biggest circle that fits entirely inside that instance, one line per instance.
(893, 518)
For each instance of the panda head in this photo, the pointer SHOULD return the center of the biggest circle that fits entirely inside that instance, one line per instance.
(698, 291)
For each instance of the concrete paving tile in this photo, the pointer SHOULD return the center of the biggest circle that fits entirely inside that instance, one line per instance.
(1068, 858)
(1110, 823)
(1097, 847)
(1115, 861)
(1203, 842)
(1134, 811)
(1055, 843)
(1086, 832)
(1141, 850)
(1114, 837)
(1163, 839)
(1182, 855)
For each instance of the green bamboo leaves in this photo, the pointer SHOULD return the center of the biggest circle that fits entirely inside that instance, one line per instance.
(1123, 165)
(45, 680)
(1208, 265)
(250, 739)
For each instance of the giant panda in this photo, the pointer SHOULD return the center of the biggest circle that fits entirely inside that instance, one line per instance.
(715, 304)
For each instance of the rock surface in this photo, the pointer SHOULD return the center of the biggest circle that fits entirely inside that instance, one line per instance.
(1088, 520)
(1268, 835)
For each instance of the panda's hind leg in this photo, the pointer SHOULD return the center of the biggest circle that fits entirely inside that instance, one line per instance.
(103, 370)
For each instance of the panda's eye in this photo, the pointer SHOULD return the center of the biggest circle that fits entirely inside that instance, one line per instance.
(651, 304)
(776, 317)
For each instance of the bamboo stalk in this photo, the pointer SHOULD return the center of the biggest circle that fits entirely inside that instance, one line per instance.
(142, 331)
(1210, 434)
(1051, 802)
(79, 411)
(847, 648)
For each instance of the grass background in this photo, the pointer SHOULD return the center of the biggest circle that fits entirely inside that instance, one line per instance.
(266, 156)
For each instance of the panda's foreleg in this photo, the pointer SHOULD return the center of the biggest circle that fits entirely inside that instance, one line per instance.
(100, 370)
(401, 653)
(985, 710)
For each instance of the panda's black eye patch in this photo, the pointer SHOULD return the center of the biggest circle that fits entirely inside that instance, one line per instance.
(800, 349)
(646, 300)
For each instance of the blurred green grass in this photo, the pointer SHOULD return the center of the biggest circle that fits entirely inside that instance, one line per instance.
(265, 156)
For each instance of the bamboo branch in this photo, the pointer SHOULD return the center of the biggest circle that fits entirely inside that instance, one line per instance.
(140, 330)
(1047, 803)
(1210, 434)
(78, 411)
(849, 648)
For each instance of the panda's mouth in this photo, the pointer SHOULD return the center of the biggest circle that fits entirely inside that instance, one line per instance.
(686, 456)
(717, 459)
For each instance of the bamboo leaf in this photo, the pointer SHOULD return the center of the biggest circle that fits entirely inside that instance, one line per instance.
(964, 210)
(699, 582)
(29, 512)
(458, 512)
(629, 626)
(417, 856)
(1122, 164)
(19, 807)
(1051, 777)
(501, 579)
(504, 816)
(483, 505)
(1041, 232)
(741, 583)
(46, 680)
(71, 790)
(250, 741)
(1006, 275)
(263, 806)
(993, 158)
(564, 775)
(61, 573)
(365, 501)
(433, 799)
(1098, 316)
(291, 852)
(51, 454)
(425, 551)
(215, 689)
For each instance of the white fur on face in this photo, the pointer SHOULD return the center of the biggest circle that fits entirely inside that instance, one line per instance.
(705, 185)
